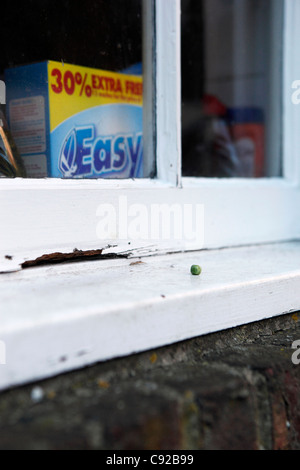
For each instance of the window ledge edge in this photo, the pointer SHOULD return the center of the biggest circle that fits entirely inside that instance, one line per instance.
(68, 316)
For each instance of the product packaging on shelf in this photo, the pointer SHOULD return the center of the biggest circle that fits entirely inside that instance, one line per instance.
(70, 121)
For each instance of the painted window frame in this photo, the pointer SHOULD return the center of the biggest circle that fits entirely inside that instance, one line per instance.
(45, 216)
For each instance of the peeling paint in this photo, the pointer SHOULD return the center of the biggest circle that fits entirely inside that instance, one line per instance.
(75, 255)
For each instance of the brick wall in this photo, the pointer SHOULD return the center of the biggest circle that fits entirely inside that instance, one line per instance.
(236, 389)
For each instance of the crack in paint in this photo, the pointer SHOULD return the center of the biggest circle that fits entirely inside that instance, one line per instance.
(75, 256)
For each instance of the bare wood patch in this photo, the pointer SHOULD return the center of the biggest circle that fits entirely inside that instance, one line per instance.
(74, 256)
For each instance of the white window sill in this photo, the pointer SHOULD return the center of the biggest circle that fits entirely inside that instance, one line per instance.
(61, 317)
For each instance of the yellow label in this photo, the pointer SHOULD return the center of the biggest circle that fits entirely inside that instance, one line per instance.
(74, 88)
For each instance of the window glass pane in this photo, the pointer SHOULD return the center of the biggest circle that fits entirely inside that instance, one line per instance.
(74, 87)
(231, 87)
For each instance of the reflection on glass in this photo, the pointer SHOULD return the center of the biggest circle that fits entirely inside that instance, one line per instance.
(74, 88)
(231, 85)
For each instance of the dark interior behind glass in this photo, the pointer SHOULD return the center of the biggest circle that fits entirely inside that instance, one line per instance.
(231, 87)
(105, 34)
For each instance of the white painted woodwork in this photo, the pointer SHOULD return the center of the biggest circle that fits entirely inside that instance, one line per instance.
(168, 91)
(62, 317)
(50, 216)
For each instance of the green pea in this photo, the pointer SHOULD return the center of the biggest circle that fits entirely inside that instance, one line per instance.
(195, 269)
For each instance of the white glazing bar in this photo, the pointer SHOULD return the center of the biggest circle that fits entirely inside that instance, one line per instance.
(291, 92)
(149, 117)
(168, 91)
